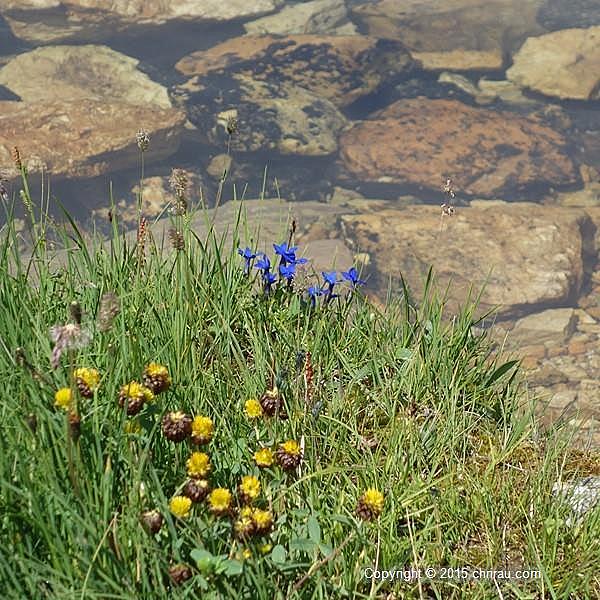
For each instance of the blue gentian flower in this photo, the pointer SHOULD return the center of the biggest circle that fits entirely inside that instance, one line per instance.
(352, 276)
(264, 264)
(248, 256)
(287, 271)
(269, 279)
(313, 292)
(288, 254)
(330, 279)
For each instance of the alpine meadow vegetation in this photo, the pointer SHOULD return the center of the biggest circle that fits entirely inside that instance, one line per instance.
(196, 422)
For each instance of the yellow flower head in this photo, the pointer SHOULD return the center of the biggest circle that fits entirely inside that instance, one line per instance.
(249, 488)
(202, 429)
(370, 504)
(291, 447)
(264, 457)
(246, 512)
(219, 501)
(157, 378)
(136, 391)
(87, 381)
(198, 465)
(374, 500)
(246, 553)
(253, 408)
(243, 528)
(180, 506)
(62, 398)
(263, 520)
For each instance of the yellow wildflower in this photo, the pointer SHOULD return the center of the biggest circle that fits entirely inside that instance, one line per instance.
(198, 465)
(219, 501)
(264, 457)
(253, 408)
(180, 506)
(202, 430)
(62, 398)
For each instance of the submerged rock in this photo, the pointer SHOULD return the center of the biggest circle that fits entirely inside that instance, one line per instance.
(269, 116)
(487, 153)
(76, 72)
(338, 68)
(563, 64)
(558, 14)
(48, 21)
(317, 16)
(526, 255)
(84, 138)
(453, 34)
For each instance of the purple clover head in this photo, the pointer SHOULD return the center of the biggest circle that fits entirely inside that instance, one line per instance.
(352, 276)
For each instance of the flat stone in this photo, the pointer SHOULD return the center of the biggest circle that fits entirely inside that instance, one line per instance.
(77, 72)
(317, 16)
(84, 138)
(338, 68)
(526, 255)
(49, 21)
(564, 64)
(487, 153)
(556, 324)
(453, 34)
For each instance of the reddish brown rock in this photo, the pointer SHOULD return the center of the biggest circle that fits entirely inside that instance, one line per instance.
(526, 255)
(85, 138)
(487, 153)
(339, 68)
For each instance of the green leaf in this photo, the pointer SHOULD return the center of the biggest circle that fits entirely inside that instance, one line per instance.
(314, 529)
(404, 354)
(302, 545)
(326, 549)
(205, 561)
(278, 554)
(233, 567)
(501, 370)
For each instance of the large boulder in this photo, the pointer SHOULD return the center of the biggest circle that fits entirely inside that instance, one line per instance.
(77, 72)
(50, 21)
(487, 153)
(338, 68)
(564, 64)
(84, 138)
(528, 256)
(453, 34)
